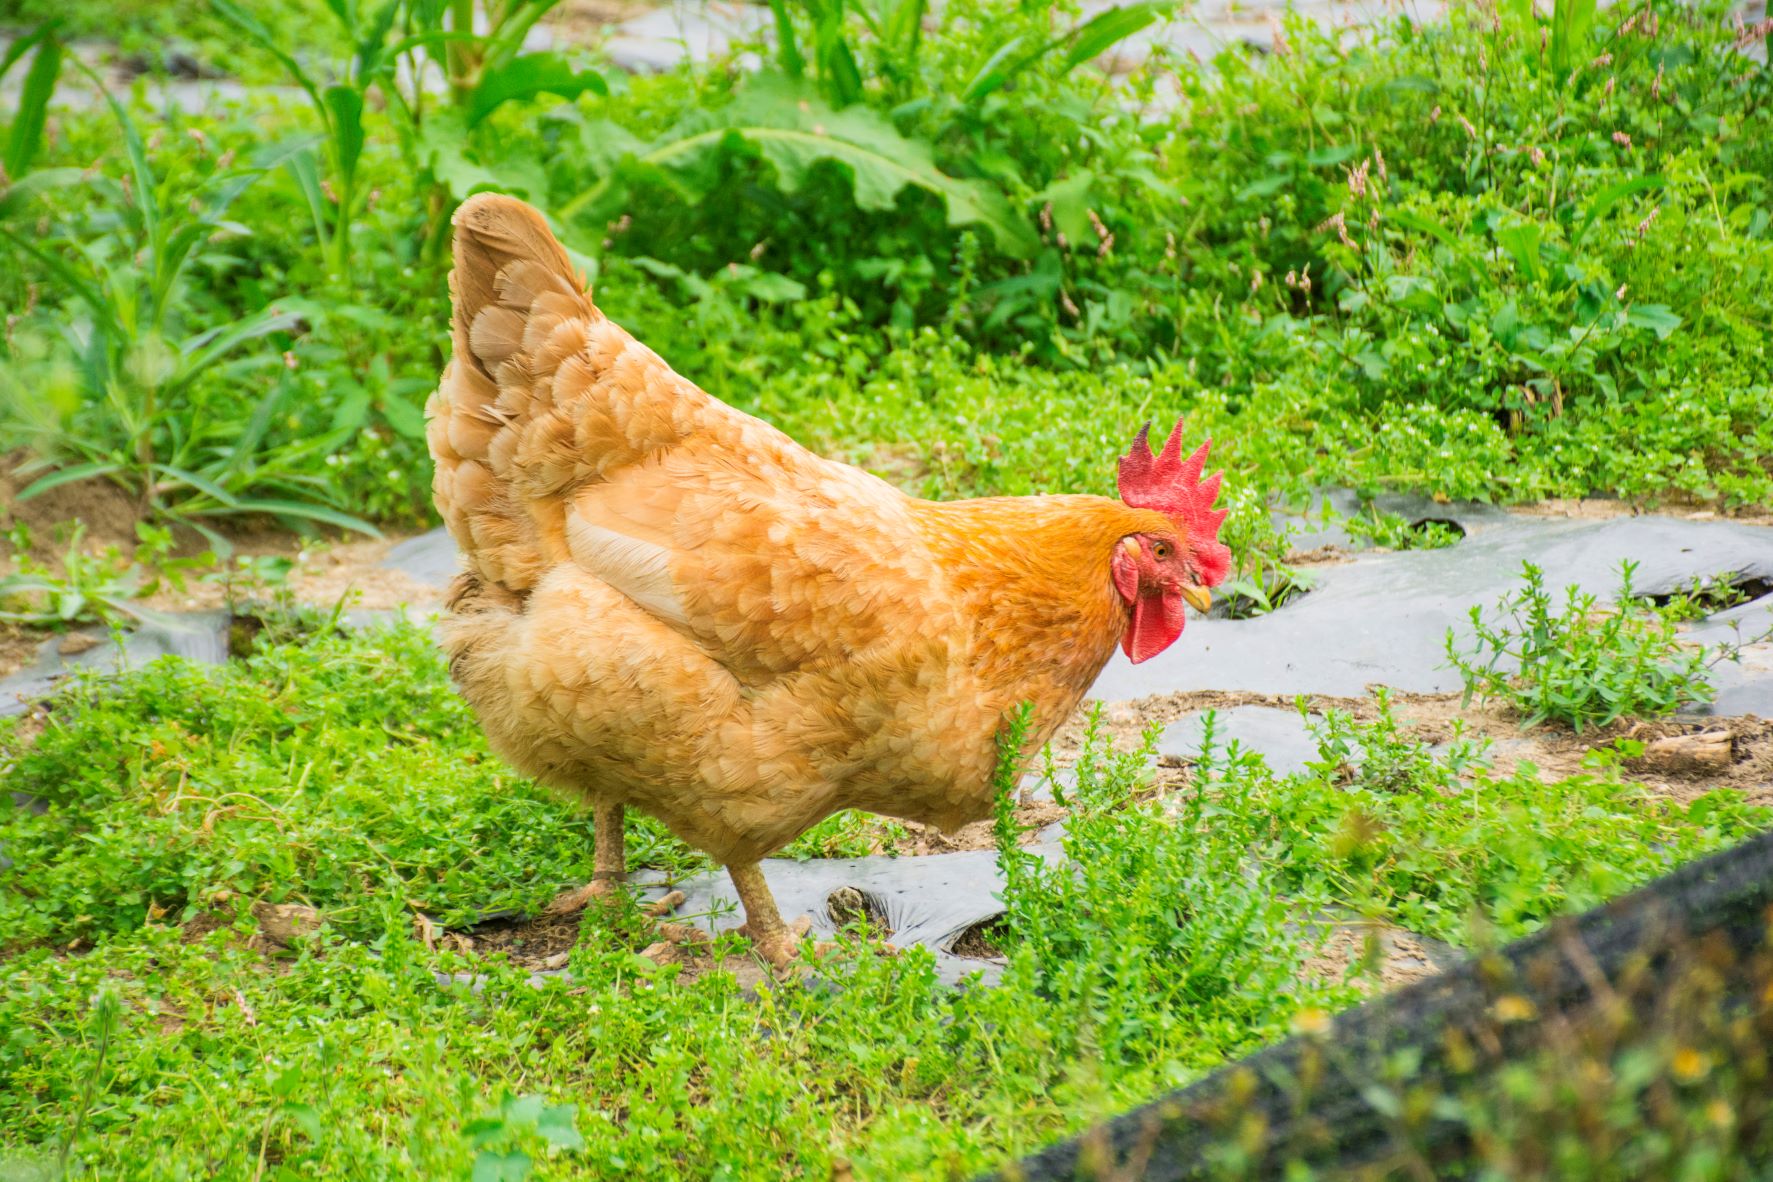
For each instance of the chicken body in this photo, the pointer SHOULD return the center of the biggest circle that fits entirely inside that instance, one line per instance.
(671, 605)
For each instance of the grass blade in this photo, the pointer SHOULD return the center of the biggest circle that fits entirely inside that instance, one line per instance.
(63, 476)
(25, 138)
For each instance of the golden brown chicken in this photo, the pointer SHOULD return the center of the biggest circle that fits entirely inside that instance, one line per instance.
(671, 605)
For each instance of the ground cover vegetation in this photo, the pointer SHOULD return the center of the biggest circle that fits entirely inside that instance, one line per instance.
(152, 1031)
(1505, 258)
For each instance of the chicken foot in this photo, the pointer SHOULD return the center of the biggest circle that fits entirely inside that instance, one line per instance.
(775, 941)
(609, 862)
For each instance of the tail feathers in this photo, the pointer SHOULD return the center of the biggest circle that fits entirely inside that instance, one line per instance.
(544, 394)
(514, 289)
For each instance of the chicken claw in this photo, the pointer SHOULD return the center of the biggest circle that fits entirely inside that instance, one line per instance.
(664, 905)
(567, 902)
(780, 946)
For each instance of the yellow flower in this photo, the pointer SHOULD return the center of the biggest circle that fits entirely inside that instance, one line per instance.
(1513, 1007)
(1311, 1022)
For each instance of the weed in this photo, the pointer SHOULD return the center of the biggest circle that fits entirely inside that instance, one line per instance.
(1434, 841)
(1391, 531)
(102, 587)
(136, 397)
(1584, 664)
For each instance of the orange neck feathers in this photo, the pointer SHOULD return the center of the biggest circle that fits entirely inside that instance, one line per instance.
(1034, 573)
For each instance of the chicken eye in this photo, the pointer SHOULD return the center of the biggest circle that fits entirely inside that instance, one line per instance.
(1161, 550)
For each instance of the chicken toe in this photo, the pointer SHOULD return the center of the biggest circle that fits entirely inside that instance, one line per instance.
(580, 898)
(775, 941)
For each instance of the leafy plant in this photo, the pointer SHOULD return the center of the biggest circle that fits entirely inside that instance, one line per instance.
(792, 129)
(103, 587)
(397, 47)
(499, 1138)
(133, 412)
(1261, 580)
(1581, 665)
(1395, 532)
(1435, 841)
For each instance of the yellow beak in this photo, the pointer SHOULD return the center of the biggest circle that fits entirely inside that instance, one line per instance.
(1199, 598)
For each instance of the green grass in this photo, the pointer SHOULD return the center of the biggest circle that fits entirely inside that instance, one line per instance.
(343, 772)
(346, 774)
(1434, 843)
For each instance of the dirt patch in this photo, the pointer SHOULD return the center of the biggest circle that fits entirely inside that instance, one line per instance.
(1031, 817)
(1389, 957)
(194, 930)
(983, 941)
(538, 943)
(328, 566)
(107, 512)
(1319, 556)
(325, 574)
(582, 22)
(1601, 509)
(18, 647)
(848, 905)
(1557, 753)
(1126, 722)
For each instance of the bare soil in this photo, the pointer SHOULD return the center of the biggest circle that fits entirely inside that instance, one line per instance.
(1601, 508)
(1391, 957)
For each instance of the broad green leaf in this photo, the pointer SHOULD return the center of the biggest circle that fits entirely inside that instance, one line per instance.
(794, 130)
(527, 76)
(557, 1124)
(1268, 186)
(993, 74)
(1521, 241)
(277, 507)
(1658, 318)
(1107, 29)
(442, 146)
(403, 416)
(63, 476)
(603, 144)
(208, 488)
(1427, 225)
(1331, 154)
(492, 1166)
(1070, 199)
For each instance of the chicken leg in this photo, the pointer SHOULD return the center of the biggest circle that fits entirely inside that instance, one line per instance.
(774, 940)
(609, 862)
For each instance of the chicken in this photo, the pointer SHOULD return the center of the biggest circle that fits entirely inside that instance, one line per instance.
(670, 605)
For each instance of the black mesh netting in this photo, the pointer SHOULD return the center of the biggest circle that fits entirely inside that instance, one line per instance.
(1629, 1042)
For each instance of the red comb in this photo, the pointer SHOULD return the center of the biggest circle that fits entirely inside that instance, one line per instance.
(1172, 485)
